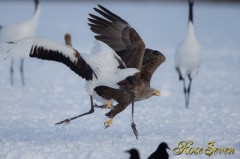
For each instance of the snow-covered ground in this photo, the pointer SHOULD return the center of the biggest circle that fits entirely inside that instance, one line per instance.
(53, 92)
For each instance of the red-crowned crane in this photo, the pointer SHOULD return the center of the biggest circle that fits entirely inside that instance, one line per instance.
(19, 31)
(188, 56)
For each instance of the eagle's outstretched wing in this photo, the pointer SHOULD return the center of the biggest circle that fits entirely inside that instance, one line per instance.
(119, 35)
(151, 60)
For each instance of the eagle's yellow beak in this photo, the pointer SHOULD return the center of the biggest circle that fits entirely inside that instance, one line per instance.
(156, 92)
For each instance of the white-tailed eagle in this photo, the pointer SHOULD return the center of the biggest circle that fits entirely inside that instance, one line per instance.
(118, 34)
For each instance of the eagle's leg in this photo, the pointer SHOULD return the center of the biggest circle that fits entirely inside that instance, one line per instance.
(133, 125)
(108, 122)
(66, 121)
(107, 105)
(117, 109)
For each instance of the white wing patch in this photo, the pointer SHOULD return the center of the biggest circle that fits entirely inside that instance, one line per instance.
(23, 47)
(104, 61)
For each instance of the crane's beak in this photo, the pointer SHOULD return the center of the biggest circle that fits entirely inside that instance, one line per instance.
(156, 92)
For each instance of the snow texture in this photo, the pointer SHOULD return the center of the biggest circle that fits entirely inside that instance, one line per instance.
(53, 92)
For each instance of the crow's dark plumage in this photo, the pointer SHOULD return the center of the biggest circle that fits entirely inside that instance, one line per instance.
(161, 152)
(134, 154)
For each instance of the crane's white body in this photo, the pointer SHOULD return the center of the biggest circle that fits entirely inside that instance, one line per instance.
(20, 30)
(188, 54)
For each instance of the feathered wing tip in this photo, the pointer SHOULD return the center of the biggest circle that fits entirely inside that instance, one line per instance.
(15, 48)
(24, 47)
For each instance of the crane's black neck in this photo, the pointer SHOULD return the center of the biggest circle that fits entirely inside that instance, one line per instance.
(190, 2)
(36, 4)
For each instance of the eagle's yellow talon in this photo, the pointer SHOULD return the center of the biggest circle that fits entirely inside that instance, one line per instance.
(108, 123)
(108, 104)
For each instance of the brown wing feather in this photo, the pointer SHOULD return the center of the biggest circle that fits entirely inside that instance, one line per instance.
(151, 60)
(119, 35)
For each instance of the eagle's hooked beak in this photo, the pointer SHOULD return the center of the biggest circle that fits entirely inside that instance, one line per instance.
(156, 92)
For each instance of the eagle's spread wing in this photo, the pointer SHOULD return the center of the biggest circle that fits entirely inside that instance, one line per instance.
(119, 35)
(151, 60)
(46, 49)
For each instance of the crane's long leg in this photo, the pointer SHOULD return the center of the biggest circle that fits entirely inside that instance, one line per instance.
(133, 125)
(21, 70)
(189, 90)
(11, 72)
(66, 121)
(185, 93)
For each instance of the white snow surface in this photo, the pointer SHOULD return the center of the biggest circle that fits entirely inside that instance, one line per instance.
(53, 92)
